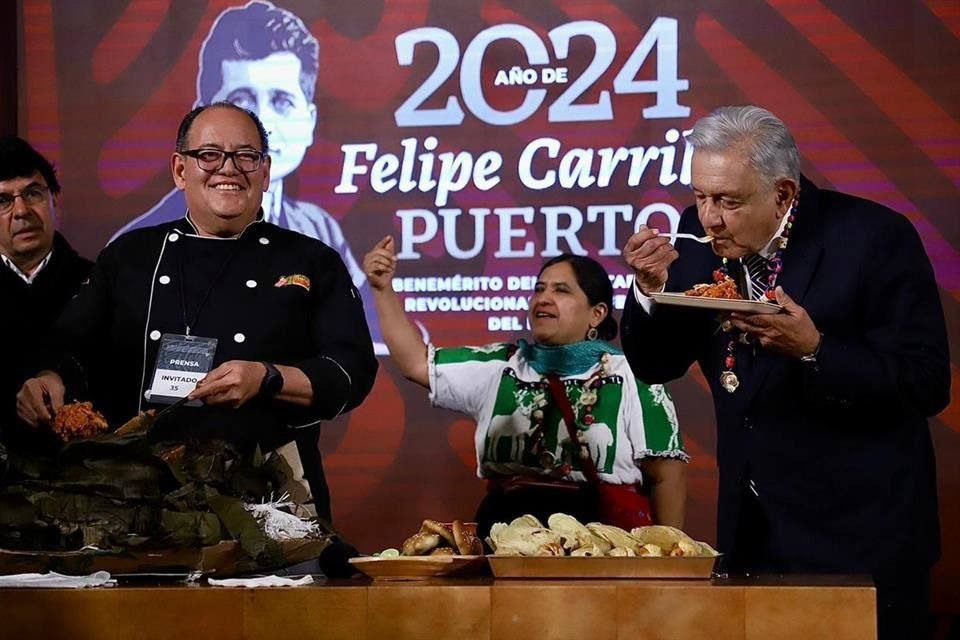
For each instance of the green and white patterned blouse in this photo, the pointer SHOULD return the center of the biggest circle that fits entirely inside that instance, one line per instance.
(500, 390)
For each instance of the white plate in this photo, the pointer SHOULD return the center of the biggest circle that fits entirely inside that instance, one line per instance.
(717, 304)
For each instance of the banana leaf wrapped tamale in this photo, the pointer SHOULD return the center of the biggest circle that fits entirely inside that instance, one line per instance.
(123, 493)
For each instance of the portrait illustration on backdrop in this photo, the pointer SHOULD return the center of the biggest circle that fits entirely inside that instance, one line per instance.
(263, 58)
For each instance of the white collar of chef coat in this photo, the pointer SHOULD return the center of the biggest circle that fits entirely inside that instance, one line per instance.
(196, 231)
(276, 203)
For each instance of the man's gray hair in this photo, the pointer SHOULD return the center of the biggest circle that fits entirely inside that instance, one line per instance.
(762, 136)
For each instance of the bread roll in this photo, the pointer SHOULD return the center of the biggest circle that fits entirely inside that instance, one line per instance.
(442, 551)
(432, 526)
(463, 542)
(420, 544)
(476, 546)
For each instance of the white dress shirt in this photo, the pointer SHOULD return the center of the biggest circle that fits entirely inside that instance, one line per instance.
(26, 277)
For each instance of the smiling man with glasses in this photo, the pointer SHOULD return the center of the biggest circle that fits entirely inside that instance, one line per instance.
(264, 58)
(40, 273)
(245, 160)
(266, 319)
(222, 167)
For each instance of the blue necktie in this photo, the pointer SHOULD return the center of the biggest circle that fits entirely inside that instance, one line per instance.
(756, 266)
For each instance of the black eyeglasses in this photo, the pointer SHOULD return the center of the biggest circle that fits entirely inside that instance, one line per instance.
(31, 195)
(245, 160)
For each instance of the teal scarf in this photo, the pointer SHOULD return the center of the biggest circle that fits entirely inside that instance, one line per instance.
(565, 359)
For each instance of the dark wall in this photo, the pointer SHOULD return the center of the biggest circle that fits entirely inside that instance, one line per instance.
(8, 68)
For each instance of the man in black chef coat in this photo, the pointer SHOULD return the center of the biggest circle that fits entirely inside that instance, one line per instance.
(268, 320)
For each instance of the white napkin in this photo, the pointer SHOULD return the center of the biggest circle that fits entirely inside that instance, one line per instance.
(265, 581)
(52, 580)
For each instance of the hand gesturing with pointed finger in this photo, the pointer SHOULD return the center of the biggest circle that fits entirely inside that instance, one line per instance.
(380, 264)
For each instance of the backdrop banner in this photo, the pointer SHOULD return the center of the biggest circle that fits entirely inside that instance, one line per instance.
(486, 137)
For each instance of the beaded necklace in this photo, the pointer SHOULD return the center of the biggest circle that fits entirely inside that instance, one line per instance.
(728, 379)
(583, 404)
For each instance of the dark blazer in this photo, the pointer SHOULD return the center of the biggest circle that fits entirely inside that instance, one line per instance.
(841, 455)
(28, 312)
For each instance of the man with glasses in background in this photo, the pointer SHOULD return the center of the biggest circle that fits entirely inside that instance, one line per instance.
(266, 319)
(40, 273)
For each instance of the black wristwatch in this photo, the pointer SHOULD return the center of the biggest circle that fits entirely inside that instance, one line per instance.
(272, 382)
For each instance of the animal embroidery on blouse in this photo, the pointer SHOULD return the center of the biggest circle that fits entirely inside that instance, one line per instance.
(525, 428)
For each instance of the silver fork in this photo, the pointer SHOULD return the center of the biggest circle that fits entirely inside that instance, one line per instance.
(689, 236)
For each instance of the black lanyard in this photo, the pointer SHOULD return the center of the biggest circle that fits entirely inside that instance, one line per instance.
(181, 260)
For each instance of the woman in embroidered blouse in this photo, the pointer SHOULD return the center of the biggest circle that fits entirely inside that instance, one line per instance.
(524, 451)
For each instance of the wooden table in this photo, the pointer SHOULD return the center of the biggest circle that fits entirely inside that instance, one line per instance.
(460, 609)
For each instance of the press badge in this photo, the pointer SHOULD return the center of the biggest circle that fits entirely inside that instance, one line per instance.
(182, 362)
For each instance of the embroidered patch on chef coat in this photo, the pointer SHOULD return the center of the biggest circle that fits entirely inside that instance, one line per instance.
(297, 279)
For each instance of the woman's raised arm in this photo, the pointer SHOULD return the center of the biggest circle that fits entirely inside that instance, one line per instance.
(403, 339)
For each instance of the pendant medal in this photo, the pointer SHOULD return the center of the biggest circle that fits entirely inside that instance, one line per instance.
(547, 460)
(729, 381)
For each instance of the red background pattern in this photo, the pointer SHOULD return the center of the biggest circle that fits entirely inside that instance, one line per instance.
(869, 89)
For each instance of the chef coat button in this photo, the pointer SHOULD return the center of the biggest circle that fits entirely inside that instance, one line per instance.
(164, 279)
(146, 394)
(251, 284)
(264, 241)
(173, 237)
(154, 335)
(748, 424)
(239, 337)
